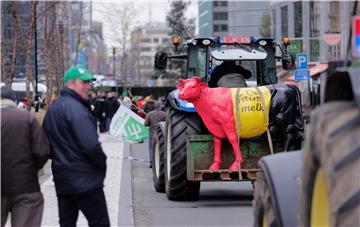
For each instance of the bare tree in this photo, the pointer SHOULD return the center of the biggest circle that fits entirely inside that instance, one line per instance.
(17, 39)
(49, 46)
(28, 69)
(121, 16)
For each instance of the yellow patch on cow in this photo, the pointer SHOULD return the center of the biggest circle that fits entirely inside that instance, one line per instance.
(253, 121)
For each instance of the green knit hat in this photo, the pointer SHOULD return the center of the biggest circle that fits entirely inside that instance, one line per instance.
(78, 72)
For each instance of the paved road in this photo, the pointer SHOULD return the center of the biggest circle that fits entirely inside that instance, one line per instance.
(220, 203)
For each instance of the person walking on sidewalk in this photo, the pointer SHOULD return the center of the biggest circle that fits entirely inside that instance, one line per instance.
(24, 151)
(151, 119)
(78, 160)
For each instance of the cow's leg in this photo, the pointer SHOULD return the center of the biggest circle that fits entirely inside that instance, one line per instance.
(217, 154)
(235, 166)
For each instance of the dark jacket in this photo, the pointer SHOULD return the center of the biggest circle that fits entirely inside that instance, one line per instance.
(24, 150)
(153, 118)
(112, 106)
(78, 161)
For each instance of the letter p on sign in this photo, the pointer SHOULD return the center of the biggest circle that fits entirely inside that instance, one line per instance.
(301, 61)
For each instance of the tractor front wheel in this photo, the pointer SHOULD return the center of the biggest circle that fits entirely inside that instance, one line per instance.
(178, 125)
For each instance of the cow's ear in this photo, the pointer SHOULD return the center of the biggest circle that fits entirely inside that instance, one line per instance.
(197, 78)
(203, 85)
(180, 86)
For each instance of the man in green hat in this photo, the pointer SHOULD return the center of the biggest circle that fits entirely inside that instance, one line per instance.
(78, 161)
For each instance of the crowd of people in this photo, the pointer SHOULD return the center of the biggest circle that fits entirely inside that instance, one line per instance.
(105, 104)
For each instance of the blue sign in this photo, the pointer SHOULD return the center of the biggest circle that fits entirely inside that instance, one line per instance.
(302, 74)
(149, 83)
(301, 61)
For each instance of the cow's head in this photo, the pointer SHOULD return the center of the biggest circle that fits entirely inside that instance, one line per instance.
(191, 88)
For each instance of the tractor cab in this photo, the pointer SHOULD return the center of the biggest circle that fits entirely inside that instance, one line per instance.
(255, 55)
(206, 54)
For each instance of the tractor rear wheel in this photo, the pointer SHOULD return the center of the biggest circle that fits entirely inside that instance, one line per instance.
(157, 156)
(330, 193)
(263, 210)
(178, 125)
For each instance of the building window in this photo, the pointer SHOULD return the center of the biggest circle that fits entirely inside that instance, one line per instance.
(220, 3)
(314, 18)
(220, 16)
(273, 25)
(334, 16)
(155, 40)
(146, 40)
(284, 21)
(220, 28)
(298, 19)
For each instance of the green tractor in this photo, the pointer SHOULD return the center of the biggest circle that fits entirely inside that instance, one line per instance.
(182, 146)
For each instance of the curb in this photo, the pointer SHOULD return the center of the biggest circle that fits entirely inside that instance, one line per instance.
(126, 214)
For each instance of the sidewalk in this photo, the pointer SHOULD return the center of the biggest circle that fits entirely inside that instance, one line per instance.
(117, 187)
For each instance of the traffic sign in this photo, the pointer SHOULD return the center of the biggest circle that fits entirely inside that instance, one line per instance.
(356, 36)
(302, 74)
(301, 61)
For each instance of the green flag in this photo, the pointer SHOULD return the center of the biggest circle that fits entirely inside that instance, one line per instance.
(128, 126)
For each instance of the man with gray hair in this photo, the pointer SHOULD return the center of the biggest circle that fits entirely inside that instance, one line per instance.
(151, 119)
(24, 151)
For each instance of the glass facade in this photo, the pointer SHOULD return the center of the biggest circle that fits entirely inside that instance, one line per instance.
(205, 18)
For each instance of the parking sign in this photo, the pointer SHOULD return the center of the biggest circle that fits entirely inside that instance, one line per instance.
(301, 61)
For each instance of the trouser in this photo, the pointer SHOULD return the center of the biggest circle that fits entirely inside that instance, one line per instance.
(26, 209)
(108, 121)
(102, 124)
(92, 204)
(150, 146)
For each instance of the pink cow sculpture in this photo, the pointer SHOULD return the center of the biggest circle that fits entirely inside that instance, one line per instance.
(214, 105)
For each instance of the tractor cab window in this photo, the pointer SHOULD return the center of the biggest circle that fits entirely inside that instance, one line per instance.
(237, 63)
(197, 62)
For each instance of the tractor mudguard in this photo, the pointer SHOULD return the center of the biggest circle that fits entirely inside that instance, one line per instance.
(283, 173)
(178, 104)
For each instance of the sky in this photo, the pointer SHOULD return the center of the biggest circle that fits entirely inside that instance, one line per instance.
(159, 9)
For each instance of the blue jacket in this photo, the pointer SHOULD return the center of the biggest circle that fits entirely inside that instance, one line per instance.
(78, 161)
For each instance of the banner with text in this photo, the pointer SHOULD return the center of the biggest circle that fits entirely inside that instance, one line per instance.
(128, 126)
